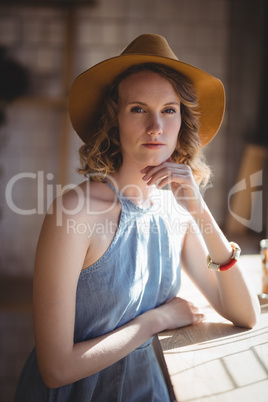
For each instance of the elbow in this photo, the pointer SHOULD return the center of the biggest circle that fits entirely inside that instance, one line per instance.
(250, 320)
(52, 379)
(255, 315)
(254, 320)
(247, 324)
(51, 382)
(54, 376)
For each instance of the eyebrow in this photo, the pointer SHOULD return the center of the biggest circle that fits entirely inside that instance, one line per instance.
(144, 104)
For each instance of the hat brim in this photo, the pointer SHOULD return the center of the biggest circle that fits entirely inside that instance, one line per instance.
(88, 87)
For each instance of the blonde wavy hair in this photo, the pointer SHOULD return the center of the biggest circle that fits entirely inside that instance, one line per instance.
(101, 155)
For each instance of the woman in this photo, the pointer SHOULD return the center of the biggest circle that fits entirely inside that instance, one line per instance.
(108, 261)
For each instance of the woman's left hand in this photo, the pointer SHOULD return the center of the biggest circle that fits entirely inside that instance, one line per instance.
(181, 181)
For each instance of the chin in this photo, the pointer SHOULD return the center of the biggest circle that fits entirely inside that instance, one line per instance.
(157, 161)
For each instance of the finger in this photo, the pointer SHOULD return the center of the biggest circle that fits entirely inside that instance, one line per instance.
(149, 167)
(150, 170)
(173, 178)
(159, 172)
(184, 169)
(144, 170)
(164, 177)
(199, 318)
(153, 176)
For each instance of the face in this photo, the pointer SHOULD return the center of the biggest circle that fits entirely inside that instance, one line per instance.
(149, 119)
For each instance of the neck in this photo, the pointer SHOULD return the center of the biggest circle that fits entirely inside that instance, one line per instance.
(129, 182)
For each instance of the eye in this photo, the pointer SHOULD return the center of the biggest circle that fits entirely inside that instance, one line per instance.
(170, 110)
(136, 109)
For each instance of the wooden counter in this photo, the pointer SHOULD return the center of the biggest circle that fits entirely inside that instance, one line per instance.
(214, 360)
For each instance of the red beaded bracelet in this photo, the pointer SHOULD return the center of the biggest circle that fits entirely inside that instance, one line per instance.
(228, 265)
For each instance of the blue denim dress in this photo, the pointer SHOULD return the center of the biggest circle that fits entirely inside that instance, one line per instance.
(139, 271)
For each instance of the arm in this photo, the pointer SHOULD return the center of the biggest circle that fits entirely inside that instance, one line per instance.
(228, 292)
(59, 259)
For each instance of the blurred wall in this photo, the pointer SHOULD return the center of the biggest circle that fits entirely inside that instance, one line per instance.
(247, 129)
(247, 77)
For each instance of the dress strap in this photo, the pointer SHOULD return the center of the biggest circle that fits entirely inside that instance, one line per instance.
(114, 189)
(127, 202)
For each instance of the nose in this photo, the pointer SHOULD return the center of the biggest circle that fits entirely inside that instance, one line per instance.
(154, 127)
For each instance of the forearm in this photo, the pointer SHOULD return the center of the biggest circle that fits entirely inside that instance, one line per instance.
(217, 244)
(70, 364)
(86, 358)
(236, 300)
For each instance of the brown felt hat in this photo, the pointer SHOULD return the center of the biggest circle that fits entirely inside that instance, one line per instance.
(88, 87)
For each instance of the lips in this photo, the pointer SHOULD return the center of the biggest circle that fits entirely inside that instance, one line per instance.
(153, 145)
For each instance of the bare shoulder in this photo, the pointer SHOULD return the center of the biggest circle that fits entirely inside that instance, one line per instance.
(89, 215)
(80, 224)
(88, 198)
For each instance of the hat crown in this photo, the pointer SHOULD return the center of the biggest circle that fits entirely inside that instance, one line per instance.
(150, 44)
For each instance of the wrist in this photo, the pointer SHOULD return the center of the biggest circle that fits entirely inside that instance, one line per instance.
(204, 221)
(228, 264)
(156, 320)
(201, 212)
